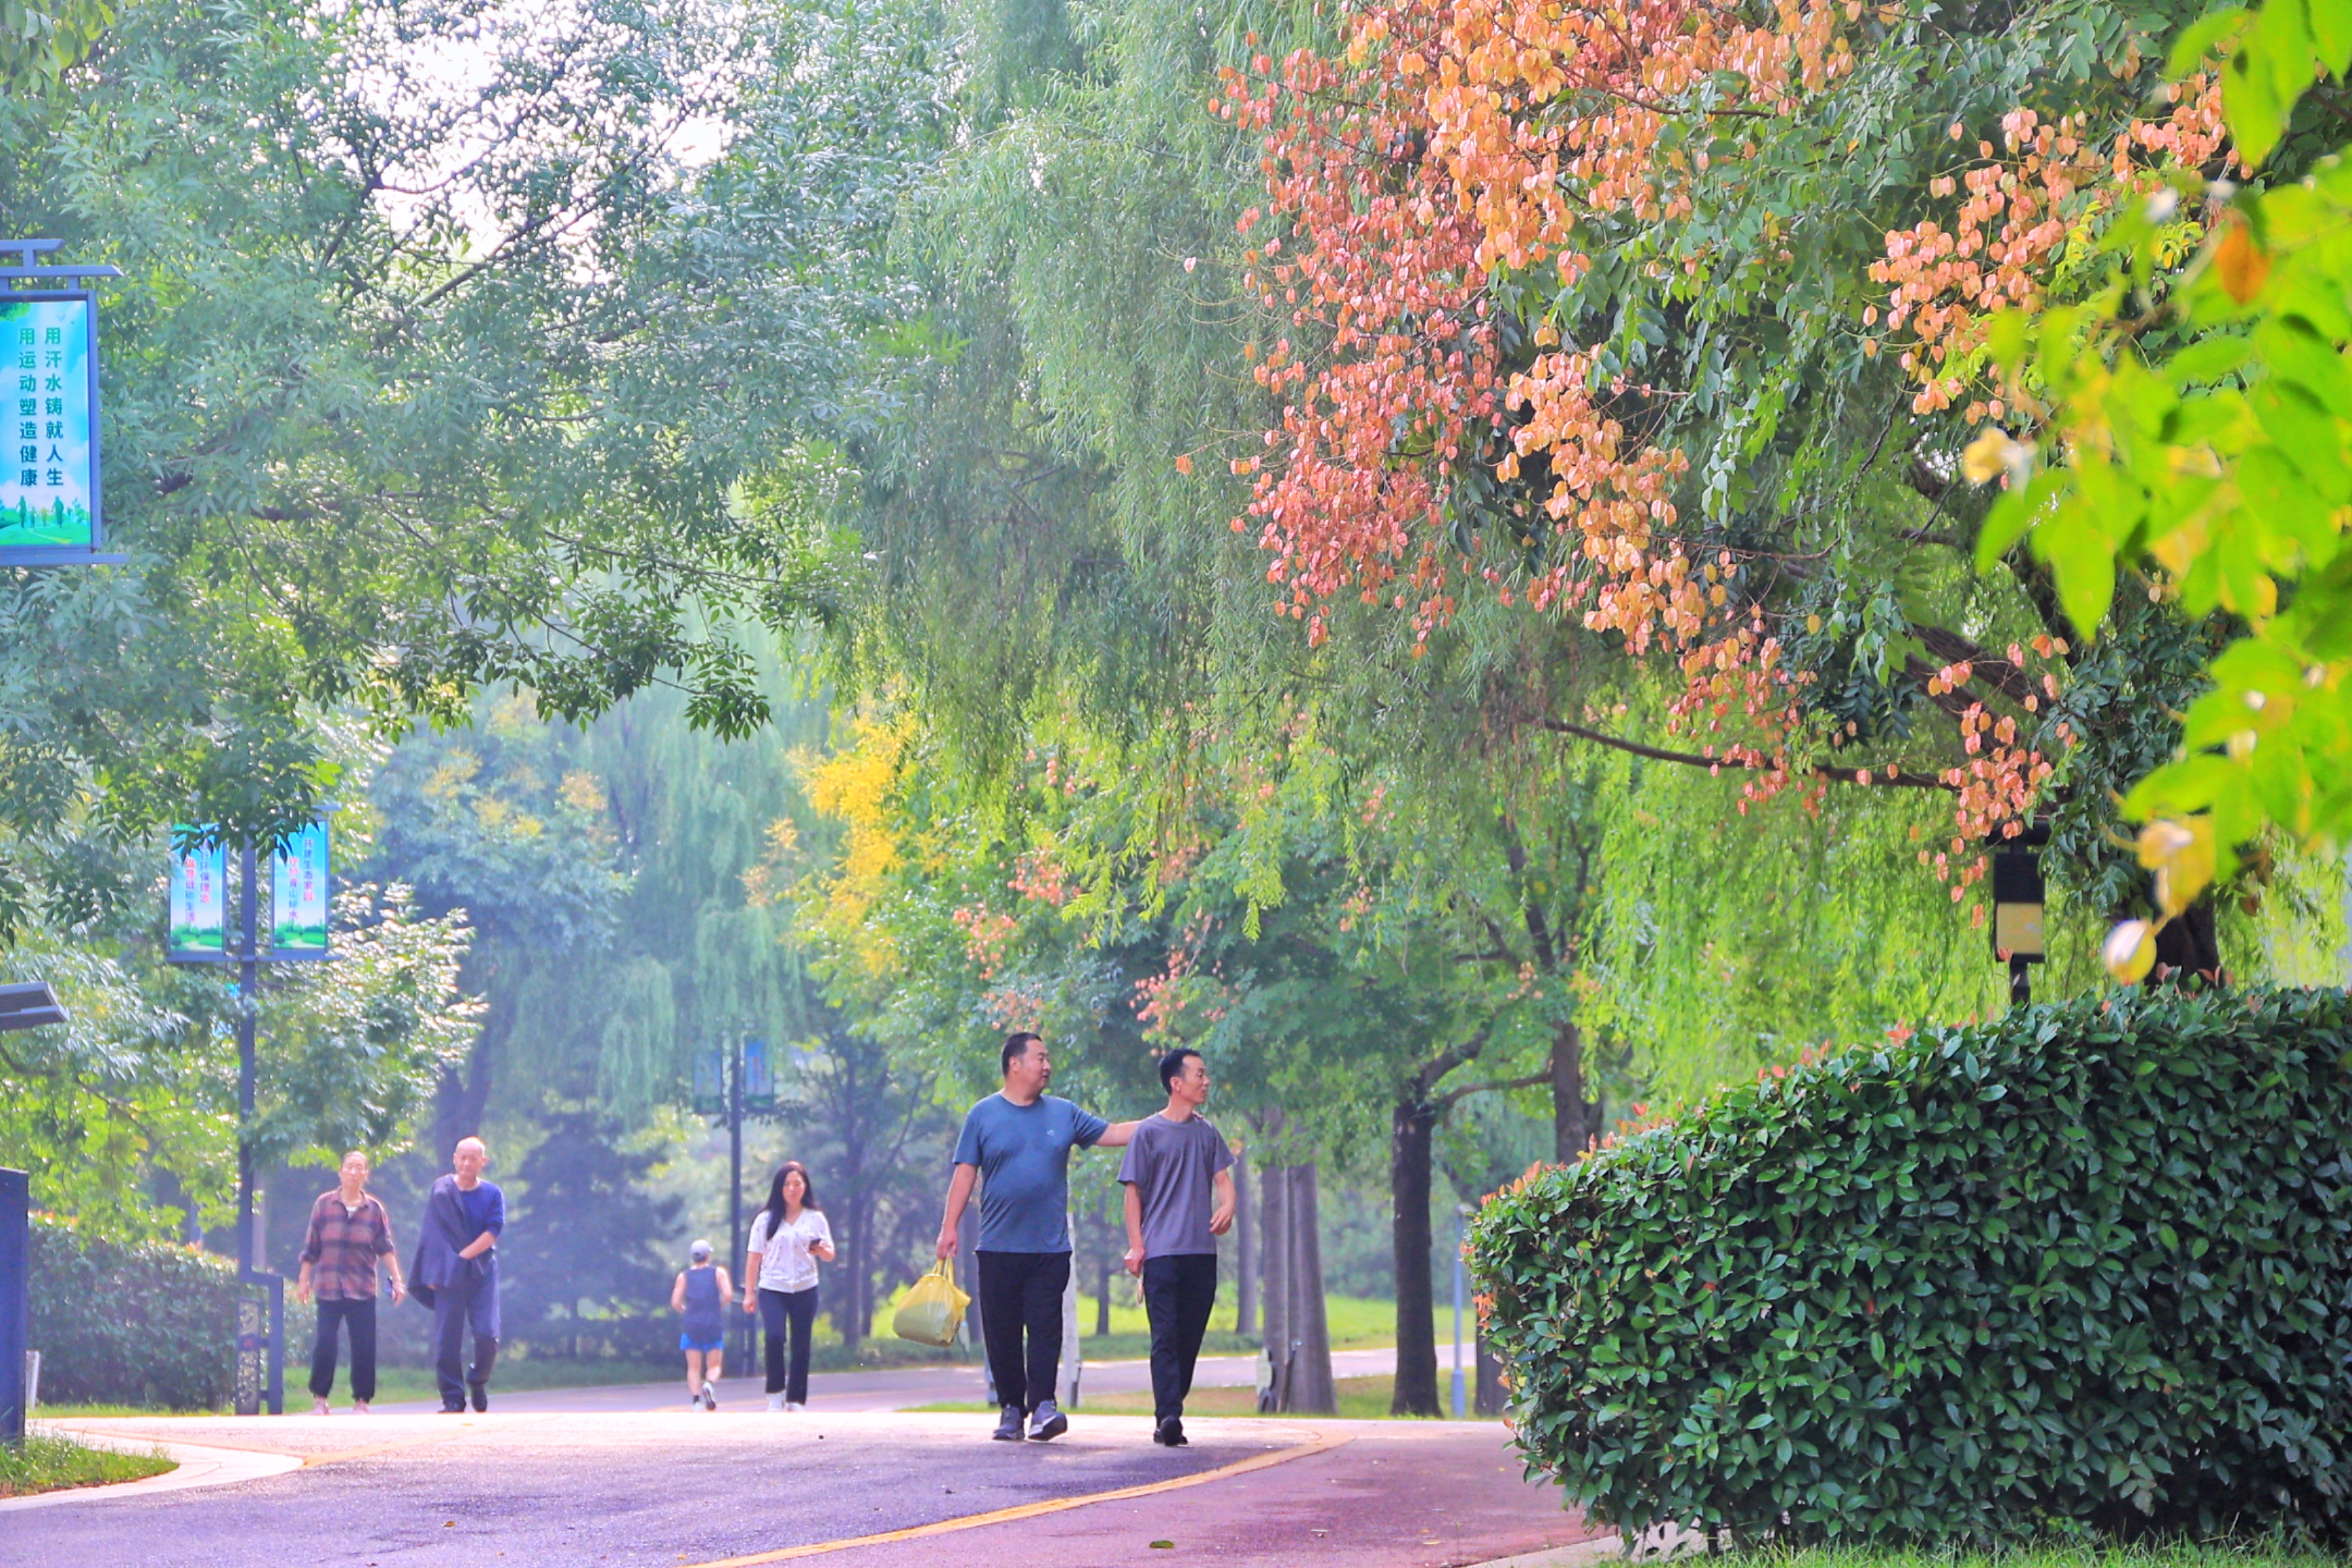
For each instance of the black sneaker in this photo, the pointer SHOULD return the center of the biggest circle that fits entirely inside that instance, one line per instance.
(1008, 1424)
(1169, 1434)
(1048, 1423)
(481, 1394)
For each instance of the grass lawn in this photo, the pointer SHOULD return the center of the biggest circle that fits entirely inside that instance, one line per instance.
(2244, 1555)
(1361, 1399)
(53, 1464)
(1355, 1322)
(395, 1384)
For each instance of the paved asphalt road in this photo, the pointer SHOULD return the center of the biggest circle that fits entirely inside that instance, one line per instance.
(670, 1489)
(893, 1388)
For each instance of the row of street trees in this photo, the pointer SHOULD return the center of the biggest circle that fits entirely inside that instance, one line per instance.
(1429, 554)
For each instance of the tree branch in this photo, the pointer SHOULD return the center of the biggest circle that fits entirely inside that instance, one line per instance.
(1467, 1090)
(1879, 775)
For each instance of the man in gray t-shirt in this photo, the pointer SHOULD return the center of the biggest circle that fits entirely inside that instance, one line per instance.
(1180, 1199)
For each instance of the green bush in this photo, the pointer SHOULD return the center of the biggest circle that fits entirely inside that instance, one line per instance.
(2085, 1268)
(146, 1323)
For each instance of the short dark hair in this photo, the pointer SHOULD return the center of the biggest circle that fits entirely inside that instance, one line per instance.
(1173, 1063)
(1016, 1046)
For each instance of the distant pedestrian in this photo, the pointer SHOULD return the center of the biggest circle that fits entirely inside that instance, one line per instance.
(349, 1231)
(1019, 1140)
(456, 1275)
(1180, 1199)
(702, 1293)
(790, 1238)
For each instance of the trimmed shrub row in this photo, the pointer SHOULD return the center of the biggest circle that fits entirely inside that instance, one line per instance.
(147, 1324)
(2088, 1267)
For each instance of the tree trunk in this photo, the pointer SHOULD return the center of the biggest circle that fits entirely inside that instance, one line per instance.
(464, 1090)
(1102, 1300)
(2190, 943)
(858, 1310)
(1490, 1397)
(1569, 1132)
(1246, 1247)
(1411, 1125)
(1273, 1244)
(1310, 1389)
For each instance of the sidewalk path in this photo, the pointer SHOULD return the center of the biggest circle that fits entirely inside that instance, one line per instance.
(891, 1388)
(671, 1489)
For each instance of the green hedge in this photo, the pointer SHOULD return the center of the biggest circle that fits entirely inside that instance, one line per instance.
(145, 1323)
(2085, 1268)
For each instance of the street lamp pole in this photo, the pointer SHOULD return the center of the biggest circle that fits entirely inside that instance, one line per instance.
(2018, 893)
(1461, 1403)
(272, 1389)
(735, 1176)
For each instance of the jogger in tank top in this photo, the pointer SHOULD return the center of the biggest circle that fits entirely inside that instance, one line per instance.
(699, 1293)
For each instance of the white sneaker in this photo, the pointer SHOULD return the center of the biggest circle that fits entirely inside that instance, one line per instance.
(318, 1406)
(794, 1405)
(776, 1403)
(359, 1407)
(709, 1396)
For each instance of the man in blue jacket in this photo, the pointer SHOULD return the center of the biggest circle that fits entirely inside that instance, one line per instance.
(456, 1274)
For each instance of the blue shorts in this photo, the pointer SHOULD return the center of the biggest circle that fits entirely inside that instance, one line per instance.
(690, 1341)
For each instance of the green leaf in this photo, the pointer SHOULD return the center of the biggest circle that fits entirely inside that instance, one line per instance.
(2015, 513)
(2201, 37)
(2208, 359)
(2250, 105)
(2082, 561)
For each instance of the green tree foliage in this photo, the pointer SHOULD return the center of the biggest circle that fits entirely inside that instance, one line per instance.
(2190, 416)
(139, 1088)
(40, 42)
(584, 1263)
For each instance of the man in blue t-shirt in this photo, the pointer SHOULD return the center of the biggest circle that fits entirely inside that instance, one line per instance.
(456, 1274)
(1017, 1144)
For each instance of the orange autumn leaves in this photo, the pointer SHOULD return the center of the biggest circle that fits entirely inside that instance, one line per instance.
(1455, 147)
(2023, 207)
(1452, 140)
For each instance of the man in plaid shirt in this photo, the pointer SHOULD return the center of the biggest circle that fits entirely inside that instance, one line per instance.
(349, 1231)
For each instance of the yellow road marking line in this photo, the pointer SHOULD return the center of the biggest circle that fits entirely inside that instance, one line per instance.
(1317, 1443)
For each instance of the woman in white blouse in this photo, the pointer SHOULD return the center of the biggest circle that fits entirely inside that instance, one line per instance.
(789, 1238)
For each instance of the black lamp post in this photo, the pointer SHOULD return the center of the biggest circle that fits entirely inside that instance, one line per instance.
(2017, 898)
(733, 1081)
(21, 1007)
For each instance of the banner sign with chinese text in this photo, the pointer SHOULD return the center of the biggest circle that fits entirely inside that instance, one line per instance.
(49, 489)
(298, 895)
(199, 921)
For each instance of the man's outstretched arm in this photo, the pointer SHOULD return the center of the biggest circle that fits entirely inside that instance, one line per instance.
(959, 1193)
(1117, 1134)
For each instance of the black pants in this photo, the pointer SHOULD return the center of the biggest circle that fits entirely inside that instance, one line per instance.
(471, 1301)
(360, 1317)
(1020, 1292)
(1179, 1292)
(797, 1308)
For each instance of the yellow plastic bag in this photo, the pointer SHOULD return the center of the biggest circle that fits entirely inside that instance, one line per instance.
(932, 1310)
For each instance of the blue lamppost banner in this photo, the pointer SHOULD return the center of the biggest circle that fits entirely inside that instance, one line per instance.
(710, 1082)
(49, 486)
(298, 895)
(199, 919)
(758, 1077)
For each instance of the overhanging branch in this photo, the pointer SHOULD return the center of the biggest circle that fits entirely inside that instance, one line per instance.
(1874, 776)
